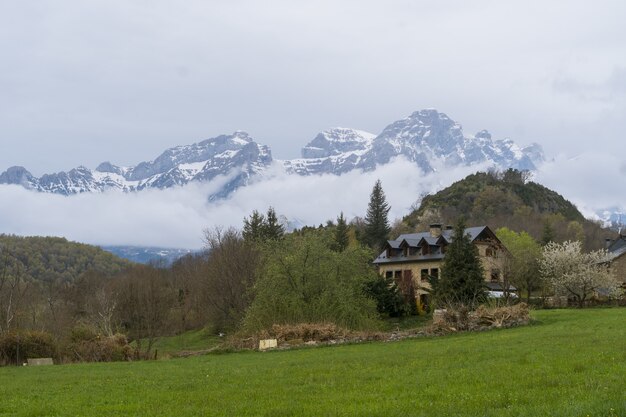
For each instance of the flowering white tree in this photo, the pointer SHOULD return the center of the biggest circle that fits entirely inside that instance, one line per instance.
(576, 274)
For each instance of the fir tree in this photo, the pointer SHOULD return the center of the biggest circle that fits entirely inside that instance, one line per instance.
(548, 234)
(376, 221)
(341, 234)
(462, 275)
(273, 229)
(254, 227)
(260, 228)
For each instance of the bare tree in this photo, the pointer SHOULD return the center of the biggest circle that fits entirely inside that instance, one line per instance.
(231, 270)
(13, 288)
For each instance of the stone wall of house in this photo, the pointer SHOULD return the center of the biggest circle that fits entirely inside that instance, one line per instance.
(492, 263)
(618, 266)
(419, 284)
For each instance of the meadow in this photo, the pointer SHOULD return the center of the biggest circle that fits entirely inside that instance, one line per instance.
(567, 363)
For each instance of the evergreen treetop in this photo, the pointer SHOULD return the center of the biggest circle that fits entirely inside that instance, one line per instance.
(377, 226)
(462, 275)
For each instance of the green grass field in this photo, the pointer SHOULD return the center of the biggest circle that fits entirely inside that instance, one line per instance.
(569, 363)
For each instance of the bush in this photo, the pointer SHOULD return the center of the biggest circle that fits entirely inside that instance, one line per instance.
(16, 347)
(319, 332)
(87, 345)
(461, 318)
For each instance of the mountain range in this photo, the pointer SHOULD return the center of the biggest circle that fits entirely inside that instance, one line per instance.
(428, 138)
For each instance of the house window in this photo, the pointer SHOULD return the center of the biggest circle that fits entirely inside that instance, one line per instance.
(495, 275)
(397, 274)
(489, 253)
(434, 272)
(389, 274)
(424, 274)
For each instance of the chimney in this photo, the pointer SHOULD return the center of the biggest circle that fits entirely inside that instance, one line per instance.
(435, 229)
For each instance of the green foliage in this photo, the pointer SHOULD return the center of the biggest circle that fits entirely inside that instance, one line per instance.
(389, 300)
(53, 259)
(303, 280)
(523, 265)
(462, 275)
(570, 363)
(88, 345)
(508, 199)
(377, 226)
(342, 240)
(260, 228)
(16, 347)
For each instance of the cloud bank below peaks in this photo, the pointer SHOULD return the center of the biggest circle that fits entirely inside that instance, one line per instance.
(176, 217)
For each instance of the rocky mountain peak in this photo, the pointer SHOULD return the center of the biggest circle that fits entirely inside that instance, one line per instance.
(427, 138)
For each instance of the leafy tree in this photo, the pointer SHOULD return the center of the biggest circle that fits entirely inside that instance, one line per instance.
(376, 220)
(342, 239)
(575, 274)
(523, 265)
(303, 280)
(462, 275)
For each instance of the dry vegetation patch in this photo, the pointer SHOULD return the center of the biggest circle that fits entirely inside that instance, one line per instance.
(460, 318)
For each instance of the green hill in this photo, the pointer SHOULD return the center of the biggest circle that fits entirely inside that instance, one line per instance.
(54, 259)
(508, 199)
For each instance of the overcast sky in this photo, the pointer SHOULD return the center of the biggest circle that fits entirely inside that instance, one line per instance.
(121, 80)
(82, 82)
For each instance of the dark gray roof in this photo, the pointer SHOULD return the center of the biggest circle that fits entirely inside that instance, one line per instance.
(617, 253)
(414, 239)
(618, 244)
(394, 244)
(473, 232)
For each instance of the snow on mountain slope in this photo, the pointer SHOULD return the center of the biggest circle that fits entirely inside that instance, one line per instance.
(427, 138)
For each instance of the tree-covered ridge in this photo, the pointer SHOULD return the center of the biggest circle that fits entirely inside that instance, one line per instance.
(508, 199)
(54, 259)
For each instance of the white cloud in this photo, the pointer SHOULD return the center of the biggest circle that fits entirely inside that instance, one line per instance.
(176, 217)
(593, 181)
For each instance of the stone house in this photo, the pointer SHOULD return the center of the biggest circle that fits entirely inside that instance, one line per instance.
(617, 252)
(411, 258)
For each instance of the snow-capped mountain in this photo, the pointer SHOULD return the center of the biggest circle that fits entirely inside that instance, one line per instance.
(427, 137)
(236, 155)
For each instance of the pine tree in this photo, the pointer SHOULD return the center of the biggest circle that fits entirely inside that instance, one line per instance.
(253, 227)
(548, 234)
(376, 221)
(462, 275)
(273, 229)
(341, 234)
(260, 228)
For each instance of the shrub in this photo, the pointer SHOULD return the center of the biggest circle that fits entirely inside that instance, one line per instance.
(319, 332)
(16, 347)
(87, 345)
(461, 318)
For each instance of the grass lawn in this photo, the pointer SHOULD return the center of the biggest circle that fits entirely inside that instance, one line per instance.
(570, 363)
(193, 340)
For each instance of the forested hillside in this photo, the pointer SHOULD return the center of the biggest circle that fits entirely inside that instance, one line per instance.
(54, 259)
(508, 199)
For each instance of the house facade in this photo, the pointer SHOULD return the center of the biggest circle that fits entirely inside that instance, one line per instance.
(412, 258)
(617, 252)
